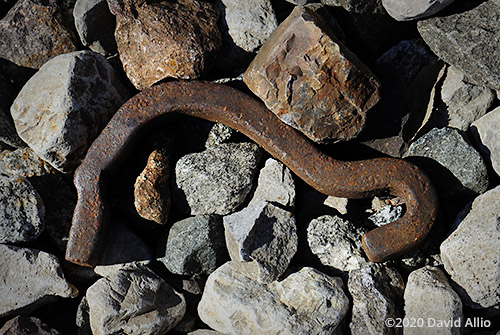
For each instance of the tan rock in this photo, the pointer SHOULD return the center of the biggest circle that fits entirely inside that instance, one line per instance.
(164, 38)
(311, 81)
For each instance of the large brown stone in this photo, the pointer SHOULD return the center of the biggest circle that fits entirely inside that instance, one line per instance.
(32, 32)
(311, 81)
(163, 39)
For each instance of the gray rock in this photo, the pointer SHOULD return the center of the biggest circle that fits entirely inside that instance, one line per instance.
(463, 166)
(83, 318)
(218, 134)
(275, 185)
(232, 303)
(64, 106)
(261, 239)
(96, 26)
(340, 204)
(134, 301)
(464, 102)
(429, 297)
(204, 332)
(336, 242)
(459, 40)
(377, 293)
(471, 254)
(486, 133)
(217, 180)
(33, 32)
(195, 245)
(8, 134)
(385, 215)
(23, 325)
(405, 10)
(25, 163)
(22, 211)
(30, 279)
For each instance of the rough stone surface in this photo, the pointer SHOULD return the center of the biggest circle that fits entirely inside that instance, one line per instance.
(204, 332)
(261, 239)
(486, 131)
(377, 293)
(218, 134)
(405, 10)
(22, 212)
(464, 102)
(23, 325)
(95, 25)
(275, 185)
(133, 301)
(24, 162)
(195, 245)
(32, 32)
(471, 254)
(151, 189)
(64, 106)
(311, 81)
(8, 134)
(385, 215)
(234, 304)
(463, 165)
(336, 242)
(29, 279)
(217, 180)
(459, 40)
(83, 318)
(428, 295)
(165, 38)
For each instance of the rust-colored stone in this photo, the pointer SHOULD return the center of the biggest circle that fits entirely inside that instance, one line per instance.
(226, 105)
(311, 81)
(151, 192)
(160, 39)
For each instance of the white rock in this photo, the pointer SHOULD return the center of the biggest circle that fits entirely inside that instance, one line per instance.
(465, 102)
(275, 184)
(134, 301)
(65, 105)
(486, 131)
(261, 239)
(234, 304)
(430, 298)
(405, 10)
(471, 254)
(336, 242)
(30, 278)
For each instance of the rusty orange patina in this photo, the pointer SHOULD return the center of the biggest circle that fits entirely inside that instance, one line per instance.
(356, 179)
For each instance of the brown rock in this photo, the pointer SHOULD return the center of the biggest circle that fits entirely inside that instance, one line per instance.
(311, 81)
(151, 192)
(164, 38)
(32, 32)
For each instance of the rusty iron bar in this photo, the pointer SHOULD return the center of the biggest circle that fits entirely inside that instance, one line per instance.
(219, 103)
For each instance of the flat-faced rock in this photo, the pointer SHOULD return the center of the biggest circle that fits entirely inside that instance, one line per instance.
(30, 278)
(311, 81)
(232, 303)
(429, 297)
(459, 40)
(471, 254)
(33, 32)
(134, 301)
(65, 105)
(22, 212)
(486, 133)
(405, 10)
(217, 180)
(261, 239)
(165, 38)
(275, 184)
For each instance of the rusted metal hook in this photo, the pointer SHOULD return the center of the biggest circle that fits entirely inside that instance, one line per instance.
(223, 104)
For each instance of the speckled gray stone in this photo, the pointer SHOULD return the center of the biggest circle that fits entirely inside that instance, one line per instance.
(24, 162)
(336, 242)
(195, 245)
(217, 180)
(459, 40)
(471, 254)
(22, 212)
